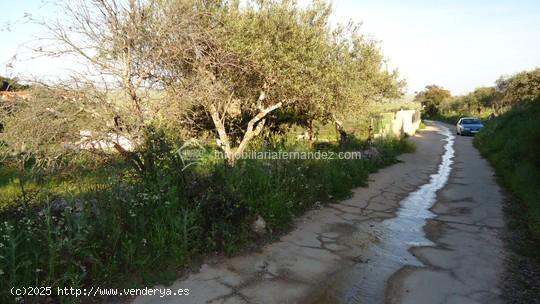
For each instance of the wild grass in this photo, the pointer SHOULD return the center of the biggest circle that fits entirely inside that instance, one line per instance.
(148, 225)
(76, 181)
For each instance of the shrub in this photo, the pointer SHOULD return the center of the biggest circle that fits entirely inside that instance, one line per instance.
(510, 143)
(161, 218)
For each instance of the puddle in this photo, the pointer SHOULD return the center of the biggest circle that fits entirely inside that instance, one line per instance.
(366, 282)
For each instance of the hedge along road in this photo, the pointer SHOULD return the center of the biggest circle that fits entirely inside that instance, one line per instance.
(424, 231)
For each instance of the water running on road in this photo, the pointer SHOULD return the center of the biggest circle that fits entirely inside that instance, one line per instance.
(366, 282)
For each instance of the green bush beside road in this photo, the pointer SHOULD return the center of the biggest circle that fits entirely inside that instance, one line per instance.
(511, 142)
(150, 224)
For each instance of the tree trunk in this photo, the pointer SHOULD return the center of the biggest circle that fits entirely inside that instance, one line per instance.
(22, 183)
(224, 142)
(254, 128)
(310, 132)
(132, 158)
(371, 134)
(341, 133)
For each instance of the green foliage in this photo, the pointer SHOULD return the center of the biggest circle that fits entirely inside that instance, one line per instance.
(510, 143)
(431, 98)
(483, 97)
(161, 219)
(76, 180)
(515, 90)
(449, 118)
(477, 103)
(521, 88)
(265, 53)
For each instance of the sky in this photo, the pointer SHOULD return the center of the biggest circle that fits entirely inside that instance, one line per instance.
(457, 44)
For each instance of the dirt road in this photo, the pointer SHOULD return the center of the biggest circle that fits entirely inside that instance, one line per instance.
(426, 230)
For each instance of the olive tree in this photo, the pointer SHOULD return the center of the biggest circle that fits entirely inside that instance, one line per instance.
(431, 99)
(235, 64)
(363, 75)
(248, 61)
(254, 61)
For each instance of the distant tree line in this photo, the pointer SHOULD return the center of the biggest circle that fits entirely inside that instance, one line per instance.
(508, 92)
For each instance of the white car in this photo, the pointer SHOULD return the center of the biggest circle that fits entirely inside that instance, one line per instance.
(469, 126)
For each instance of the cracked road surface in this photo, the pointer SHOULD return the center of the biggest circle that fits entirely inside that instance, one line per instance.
(426, 230)
(467, 260)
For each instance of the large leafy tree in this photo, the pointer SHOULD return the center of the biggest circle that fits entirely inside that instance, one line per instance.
(260, 62)
(247, 62)
(294, 49)
(431, 98)
(484, 97)
(232, 67)
(520, 88)
(352, 75)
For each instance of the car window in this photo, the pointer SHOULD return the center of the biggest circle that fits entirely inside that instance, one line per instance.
(471, 121)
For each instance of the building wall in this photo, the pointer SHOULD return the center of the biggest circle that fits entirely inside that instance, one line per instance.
(400, 123)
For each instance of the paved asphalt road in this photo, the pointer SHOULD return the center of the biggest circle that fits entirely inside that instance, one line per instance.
(426, 230)
(465, 264)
